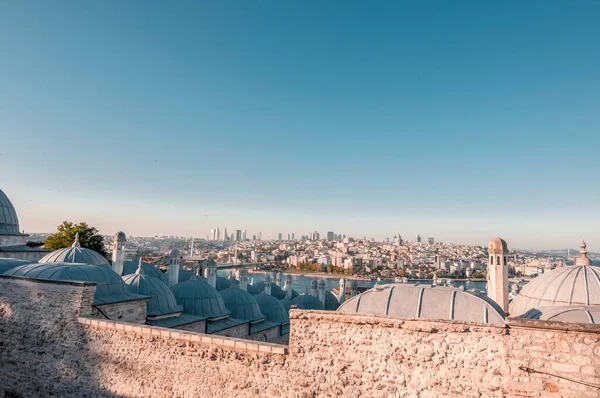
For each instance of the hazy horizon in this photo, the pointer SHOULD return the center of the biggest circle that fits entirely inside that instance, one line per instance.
(458, 121)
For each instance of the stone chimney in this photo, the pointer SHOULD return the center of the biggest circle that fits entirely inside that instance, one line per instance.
(322, 292)
(314, 288)
(353, 288)
(279, 279)
(268, 281)
(118, 255)
(342, 290)
(244, 280)
(173, 270)
(212, 273)
(497, 273)
(288, 287)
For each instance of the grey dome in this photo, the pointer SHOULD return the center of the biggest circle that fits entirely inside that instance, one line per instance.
(9, 223)
(75, 254)
(589, 314)
(130, 267)
(286, 304)
(331, 302)
(241, 304)
(223, 283)
(162, 301)
(109, 286)
(425, 302)
(253, 290)
(308, 302)
(272, 308)
(200, 299)
(9, 263)
(569, 285)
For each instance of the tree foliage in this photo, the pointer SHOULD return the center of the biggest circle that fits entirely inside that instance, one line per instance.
(65, 236)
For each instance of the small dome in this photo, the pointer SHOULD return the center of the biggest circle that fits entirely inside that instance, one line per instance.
(308, 302)
(109, 286)
(272, 308)
(121, 237)
(162, 301)
(589, 314)
(498, 245)
(223, 283)
(242, 305)
(9, 223)
(75, 254)
(569, 285)
(331, 302)
(425, 302)
(10, 263)
(174, 253)
(200, 299)
(130, 267)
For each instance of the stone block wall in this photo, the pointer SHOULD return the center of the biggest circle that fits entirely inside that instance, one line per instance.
(129, 311)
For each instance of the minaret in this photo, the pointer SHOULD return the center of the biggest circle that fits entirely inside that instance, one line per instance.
(497, 273)
(118, 255)
(268, 281)
(192, 248)
(243, 280)
(322, 292)
(173, 270)
(288, 287)
(212, 273)
(353, 288)
(314, 288)
(342, 290)
(279, 279)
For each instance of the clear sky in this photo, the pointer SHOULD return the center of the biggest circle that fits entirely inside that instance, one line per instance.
(461, 120)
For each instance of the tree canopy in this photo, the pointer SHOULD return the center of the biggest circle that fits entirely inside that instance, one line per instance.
(65, 236)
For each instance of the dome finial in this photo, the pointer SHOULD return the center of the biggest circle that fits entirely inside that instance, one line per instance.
(583, 259)
(76, 243)
(583, 246)
(139, 270)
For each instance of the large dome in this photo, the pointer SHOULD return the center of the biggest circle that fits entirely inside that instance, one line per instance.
(569, 285)
(241, 304)
(75, 254)
(308, 302)
(200, 299)
(425, 302)
(162, 301)
(109, 286)
(9, 223)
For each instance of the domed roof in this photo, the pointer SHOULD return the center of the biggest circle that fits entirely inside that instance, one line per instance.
(120, 237)
(308, 302)
(162, 301)
(75, 254)
(331, 302)
(9, 263)
(131, 266)
(200, 299)
(569, 285)
(566, 313)
(276, 291)
(109, 286)
(498, 244)
(425, 302)
(223, 283)
(9, 223)
(272, 308)
(241, 304)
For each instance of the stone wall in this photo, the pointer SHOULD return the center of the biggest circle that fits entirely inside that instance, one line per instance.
(128, 311)
(51, 346)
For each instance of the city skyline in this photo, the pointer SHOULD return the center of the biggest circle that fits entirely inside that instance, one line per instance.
(453, 121)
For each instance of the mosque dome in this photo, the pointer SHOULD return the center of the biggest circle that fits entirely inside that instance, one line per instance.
(425, 302)
(162, 301)
(276, 290)
(110, 288)
(589, 314)
(9, 223)
(9, 263)
(498, 244)
(331, 302)
(242, 305)
(223, 283)
(75, 254)
(308, 302)
(200, 299)
(577, 284)
(272, 308)
(130, 267)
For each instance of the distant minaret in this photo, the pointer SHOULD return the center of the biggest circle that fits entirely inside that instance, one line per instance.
(192, 248)
(173, 271)
(342, 290)
(268, 281)
(497, 273)
(118, 255)
(211, 274)
(322, 292)
(279, 279)
(243, 280)
(353, 288)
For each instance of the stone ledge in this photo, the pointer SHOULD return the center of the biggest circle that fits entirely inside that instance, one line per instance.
(182, 335)
(47, 281)
(554, 326)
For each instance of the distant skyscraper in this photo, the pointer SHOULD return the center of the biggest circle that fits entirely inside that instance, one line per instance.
(314, 236)
(244, 235)
(293, 238)
(238, 235)
(288, 236)
(280, 236)
(330, 235)
(418, 238)
(430, 240)
(218, 235)
(225, 236)
(213, 234)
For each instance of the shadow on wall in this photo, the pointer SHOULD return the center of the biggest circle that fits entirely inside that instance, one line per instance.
(45, 355)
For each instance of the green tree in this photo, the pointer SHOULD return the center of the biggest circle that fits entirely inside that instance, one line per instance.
(65, 236)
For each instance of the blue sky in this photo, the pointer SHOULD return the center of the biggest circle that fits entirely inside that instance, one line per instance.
(461, 120)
